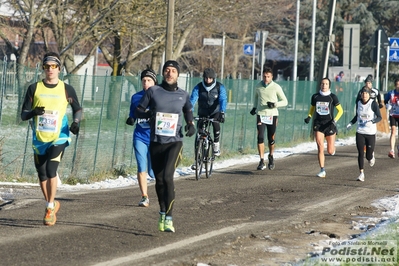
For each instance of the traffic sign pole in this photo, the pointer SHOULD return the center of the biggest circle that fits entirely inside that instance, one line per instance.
(378, 60)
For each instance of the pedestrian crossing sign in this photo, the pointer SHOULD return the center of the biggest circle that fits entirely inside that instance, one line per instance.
(393, 49)
(248, 49)
(393, 43)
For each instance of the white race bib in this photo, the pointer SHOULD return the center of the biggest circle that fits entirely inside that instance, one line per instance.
(322, 108)
(268, 120)
(48, 121)
(166, 124)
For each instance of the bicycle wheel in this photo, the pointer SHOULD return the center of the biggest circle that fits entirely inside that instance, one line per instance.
(198, 159)
(210, 157)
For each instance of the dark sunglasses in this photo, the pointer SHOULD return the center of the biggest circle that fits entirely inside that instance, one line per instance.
(50, 66)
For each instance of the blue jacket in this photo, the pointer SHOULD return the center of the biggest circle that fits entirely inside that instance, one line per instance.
(211, 100)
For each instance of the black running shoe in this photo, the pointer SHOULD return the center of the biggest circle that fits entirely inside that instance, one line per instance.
(261, 165)
(271, 162)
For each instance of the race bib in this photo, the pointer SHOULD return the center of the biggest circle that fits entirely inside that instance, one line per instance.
(143, 122)
(166, 124)
(48, 121)
(268, 120)
(395, 111)
(322, 108)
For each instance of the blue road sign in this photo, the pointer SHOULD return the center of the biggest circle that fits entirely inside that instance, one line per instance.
(248, 49)
(393, 49)
(393, 43)
(394, 55)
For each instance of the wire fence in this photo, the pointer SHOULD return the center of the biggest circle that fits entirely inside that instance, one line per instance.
(104, 142)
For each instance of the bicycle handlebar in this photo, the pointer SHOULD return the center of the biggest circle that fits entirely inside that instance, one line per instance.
(206, 119)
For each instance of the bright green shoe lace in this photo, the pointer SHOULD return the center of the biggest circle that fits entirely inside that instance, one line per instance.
(161, 223)
(169, 226)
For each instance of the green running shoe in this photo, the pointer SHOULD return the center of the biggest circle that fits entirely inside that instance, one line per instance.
(161, 223)
(169, 226)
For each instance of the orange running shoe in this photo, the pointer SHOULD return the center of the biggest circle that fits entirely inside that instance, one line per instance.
(49, 216)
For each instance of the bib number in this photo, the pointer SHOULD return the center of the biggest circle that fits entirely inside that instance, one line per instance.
(322, 108)
(268, 120)
(48, 121)
(166, 124)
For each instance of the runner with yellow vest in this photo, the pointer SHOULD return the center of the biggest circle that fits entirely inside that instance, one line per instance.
(46, 103)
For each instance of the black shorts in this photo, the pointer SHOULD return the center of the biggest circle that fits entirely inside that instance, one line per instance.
(393, 121)
(328, 129)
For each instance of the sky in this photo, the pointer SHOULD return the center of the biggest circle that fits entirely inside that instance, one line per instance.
(389, 206)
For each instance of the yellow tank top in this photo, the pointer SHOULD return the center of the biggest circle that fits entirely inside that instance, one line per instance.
(54, 100)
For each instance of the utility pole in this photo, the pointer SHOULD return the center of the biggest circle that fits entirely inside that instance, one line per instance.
(169, 30)
(327, 43)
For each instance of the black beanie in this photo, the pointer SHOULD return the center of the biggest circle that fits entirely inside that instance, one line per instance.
(171, 63)
(209, 73)
(369, 79)
(149, 73)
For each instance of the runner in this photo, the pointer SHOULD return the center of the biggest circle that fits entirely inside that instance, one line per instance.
(367, 115)
(324, 126)
(46, 103)
(268, 97)
(141, 137)
(165, 105)
(392, 104)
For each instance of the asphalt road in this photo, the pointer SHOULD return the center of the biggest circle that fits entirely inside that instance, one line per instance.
(105, 227)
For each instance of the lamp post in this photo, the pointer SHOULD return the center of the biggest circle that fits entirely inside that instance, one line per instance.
(13, 58)
(169, 30)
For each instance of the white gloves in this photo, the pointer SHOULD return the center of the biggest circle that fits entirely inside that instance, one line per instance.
(388, 106)
(349, 126)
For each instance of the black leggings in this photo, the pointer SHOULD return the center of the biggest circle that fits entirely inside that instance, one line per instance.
(361, 141)
(165, 159)
(47, 164)
(271, 130)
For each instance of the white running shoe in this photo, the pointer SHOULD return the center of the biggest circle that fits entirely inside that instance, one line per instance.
(322, 174)
(372, 161)
(361, 177)
(216, 148)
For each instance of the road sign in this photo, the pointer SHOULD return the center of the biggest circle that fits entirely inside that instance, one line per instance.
(393, 49)
(393, 43)
(373, 54)
(394, 55)
(248, 49)
(384, 38)
(211, 41)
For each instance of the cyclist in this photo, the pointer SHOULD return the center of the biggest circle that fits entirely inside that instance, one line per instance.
(212, 102)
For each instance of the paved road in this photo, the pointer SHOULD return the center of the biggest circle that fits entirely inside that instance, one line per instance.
(107, 228)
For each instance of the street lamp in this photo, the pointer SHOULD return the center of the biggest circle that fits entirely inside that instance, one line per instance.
(13, 58)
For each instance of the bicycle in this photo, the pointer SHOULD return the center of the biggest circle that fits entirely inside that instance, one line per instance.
(204, 153)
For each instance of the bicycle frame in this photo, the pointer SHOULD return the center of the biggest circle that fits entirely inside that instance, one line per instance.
(204, 147)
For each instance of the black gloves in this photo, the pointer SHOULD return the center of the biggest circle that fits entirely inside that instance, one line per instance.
(221, 117)
(271, 105)
(380, 105)
(74, 128)
(253, 111)
(130, 121)
(307, 119)
(39, 110)
(190, 129)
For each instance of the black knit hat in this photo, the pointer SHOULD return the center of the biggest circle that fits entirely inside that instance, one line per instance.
(209, 73)
(171, 63)
(364, 89)
(369, 79)
(149, 73)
